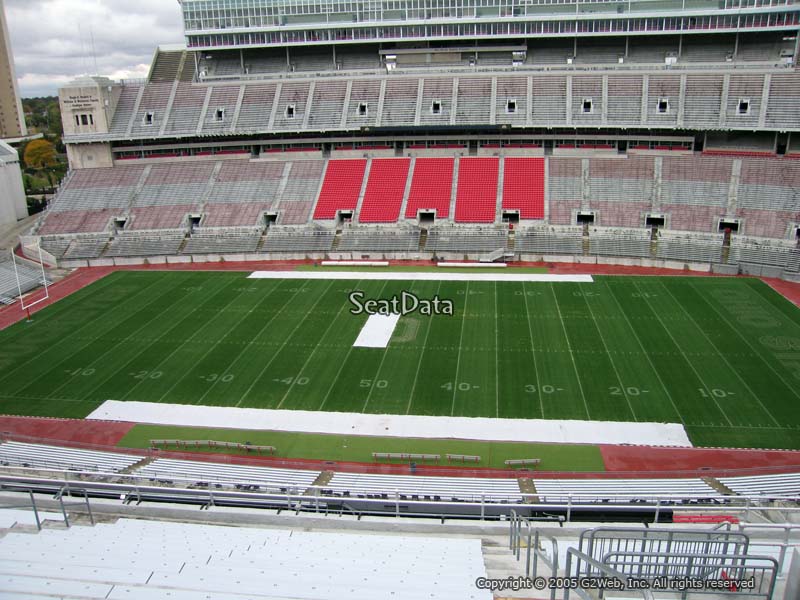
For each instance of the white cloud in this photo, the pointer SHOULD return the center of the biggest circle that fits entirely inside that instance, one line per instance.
(53, 40)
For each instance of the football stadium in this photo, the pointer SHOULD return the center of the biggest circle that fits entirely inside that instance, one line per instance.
(399, 299)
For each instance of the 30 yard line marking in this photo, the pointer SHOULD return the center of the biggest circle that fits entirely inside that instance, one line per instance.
(138, 354)
(650, 360)
(421, 355)
(496, 366)
(283, 345)
(569, 348)
(249, 344)
(316, 347)
(533, 350)
(622, 386)
(690, 363)
(460, 339)
(100, 315)
(210, 348)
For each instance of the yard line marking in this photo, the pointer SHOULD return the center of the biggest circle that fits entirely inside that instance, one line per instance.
(283, 345)
(380, 366)
(249, 344)
(460, 340)
(421, 355)
(220, 312)
(533, 351)
(766, 410)
(101, 314)
(314, 351)
(650, 360)
(622, 386)
(149, 341)
(689, 362)
(571, 354)
(496, 366)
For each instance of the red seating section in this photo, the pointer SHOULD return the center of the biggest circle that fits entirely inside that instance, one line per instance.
(523, 187)
(385, 188)
(476, 195)
(431, 187)
(340, 188)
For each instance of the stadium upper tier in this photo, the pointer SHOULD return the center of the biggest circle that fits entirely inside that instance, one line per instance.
(225, 23)
(767, 101)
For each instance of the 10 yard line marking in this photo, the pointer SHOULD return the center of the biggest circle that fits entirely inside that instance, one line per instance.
(283, 345)
(421, 355)
(683, 353)
(460, 339)
(571, 355)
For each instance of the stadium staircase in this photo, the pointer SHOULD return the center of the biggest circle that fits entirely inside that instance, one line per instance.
(336, 240)
(423, 238)
(719, 486)
(167, 66)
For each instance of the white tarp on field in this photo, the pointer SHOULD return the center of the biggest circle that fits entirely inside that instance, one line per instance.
(377, 331)
(408, 426)
(395, 276)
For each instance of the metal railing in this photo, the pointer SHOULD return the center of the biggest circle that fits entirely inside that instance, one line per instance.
(59, 496)
(534, 550)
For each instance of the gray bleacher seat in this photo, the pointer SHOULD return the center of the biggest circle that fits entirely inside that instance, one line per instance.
(298, 239)
(220, 240)
(466, 239)
(60, 457)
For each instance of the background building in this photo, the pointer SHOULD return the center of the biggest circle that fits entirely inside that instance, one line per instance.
(12, 119)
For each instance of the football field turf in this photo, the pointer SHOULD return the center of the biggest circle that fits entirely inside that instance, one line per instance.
(720, 355)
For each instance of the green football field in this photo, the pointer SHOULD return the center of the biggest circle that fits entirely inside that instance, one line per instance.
(720, 355)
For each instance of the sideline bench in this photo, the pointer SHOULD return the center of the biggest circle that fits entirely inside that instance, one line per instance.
(523, 462)
(405, 456)
(212, 444)
(464, 458)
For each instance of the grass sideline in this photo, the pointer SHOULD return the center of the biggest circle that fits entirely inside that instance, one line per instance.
(425, 269)
(354, 448)
(719, 355)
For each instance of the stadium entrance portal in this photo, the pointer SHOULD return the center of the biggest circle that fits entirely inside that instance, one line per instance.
(426, 217)
(654, 221)
(343, 217)
(732, 224)
(511, 216)
(585, 218)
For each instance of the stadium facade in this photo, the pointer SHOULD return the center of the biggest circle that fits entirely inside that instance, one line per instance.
(657, 133)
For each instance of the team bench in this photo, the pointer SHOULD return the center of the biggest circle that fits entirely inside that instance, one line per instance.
(405, 456)
(465, 458)
(212, 444)
(523, 462)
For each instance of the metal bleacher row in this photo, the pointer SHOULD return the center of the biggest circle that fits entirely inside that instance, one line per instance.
(29, 278)
(183, 473)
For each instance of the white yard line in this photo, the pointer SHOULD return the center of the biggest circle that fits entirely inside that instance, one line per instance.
(421, 355)
(282, 346)
(683, 353)
(533, 350)
(622, 385)
(571, 354)
(423, 276)
(496, 365)
(460, 339)
(402, 426)
(650, 360)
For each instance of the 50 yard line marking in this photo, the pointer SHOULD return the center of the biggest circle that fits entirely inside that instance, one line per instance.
(460, 339)
(571, 355)
(283, 345)
(421, 355)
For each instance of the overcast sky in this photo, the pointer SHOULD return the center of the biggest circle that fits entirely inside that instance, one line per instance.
(52, 39)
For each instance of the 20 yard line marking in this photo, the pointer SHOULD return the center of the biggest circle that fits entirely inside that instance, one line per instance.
(316, 347)
(650, 360)
(421, 355)
(691, 365)
(571, 354)
(283, 345)
(460, 339)
(622, 386)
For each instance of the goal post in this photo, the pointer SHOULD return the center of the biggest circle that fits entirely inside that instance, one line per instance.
(30, 276)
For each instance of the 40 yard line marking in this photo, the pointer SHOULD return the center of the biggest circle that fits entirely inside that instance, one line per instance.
(460, 339)
(421, 355)
(288, 337)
